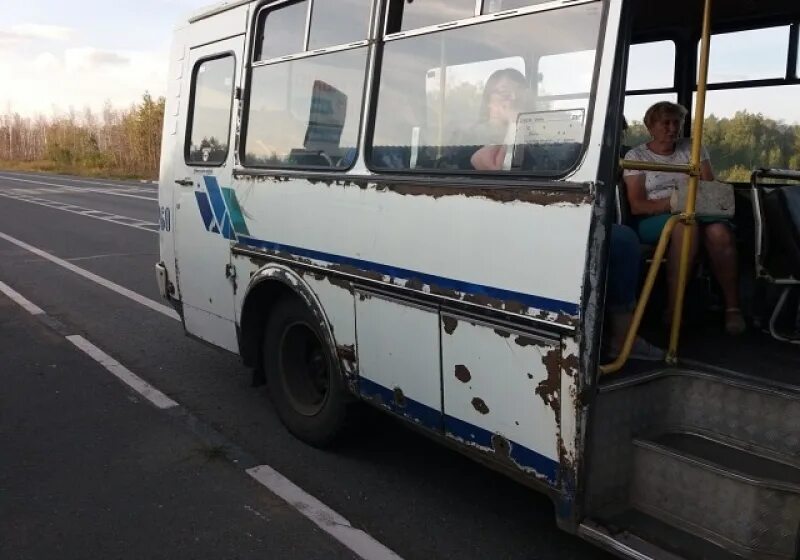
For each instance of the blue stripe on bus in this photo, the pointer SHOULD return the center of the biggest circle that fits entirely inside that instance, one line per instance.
(537, 302)
(520, 454)
(218, 205)
(425, 415)
(432, 419)
(205, 209)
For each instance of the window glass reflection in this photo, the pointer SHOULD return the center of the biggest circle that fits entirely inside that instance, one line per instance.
(211, 115)
(306, 112)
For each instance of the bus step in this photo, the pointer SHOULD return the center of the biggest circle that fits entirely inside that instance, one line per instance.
(745, 503)
(634, 534)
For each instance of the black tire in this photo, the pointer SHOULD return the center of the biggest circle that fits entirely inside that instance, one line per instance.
(304, 384)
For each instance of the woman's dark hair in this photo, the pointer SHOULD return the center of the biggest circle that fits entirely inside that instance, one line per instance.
(510, 74)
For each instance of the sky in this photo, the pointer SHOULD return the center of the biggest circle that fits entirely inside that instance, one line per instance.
(57, 54)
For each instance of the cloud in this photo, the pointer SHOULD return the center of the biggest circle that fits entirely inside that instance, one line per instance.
(40, 31)
(79, 77)
(88, 58)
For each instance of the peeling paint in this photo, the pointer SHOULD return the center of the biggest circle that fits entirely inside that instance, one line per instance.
(346, 352)
(504, 334)
(399, 397)
(449, 324)
(463, 374)
(479, 405)
(528, 341)
(549, 388)
(498, 194)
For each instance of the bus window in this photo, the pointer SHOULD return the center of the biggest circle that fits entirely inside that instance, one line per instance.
(460, 82)
(338, 22)
(306, 112)
(210, 112)
(755, 54)
(404, 15)
(438, 122)
(281, 31)
(492, 6)
(651, 66)
(747, 128)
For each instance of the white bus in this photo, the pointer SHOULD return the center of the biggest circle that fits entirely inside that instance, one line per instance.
(410, 205)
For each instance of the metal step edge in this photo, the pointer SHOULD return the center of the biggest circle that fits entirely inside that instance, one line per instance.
(710, 465)
(713, 373)
(711, 536)
(627, 545)
(742, 445)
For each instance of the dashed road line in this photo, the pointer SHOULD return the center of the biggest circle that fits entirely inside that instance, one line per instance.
(17, 298)
(130, 294)
(321, 515)
(68, 188)
(159, 399)
(12, 175)
(135, 223)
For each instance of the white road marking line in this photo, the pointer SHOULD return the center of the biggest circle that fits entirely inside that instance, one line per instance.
(130, 294)
(68, 188)
(81, 180)
(122, 373)
(321, 515)
(20, 300)
(356, 540)
(83, 212)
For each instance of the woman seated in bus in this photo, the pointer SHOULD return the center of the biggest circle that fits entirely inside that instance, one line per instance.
(497, 119)
(649, 198)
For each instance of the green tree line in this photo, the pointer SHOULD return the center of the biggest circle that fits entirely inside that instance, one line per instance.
(741, 143)
(117, 143)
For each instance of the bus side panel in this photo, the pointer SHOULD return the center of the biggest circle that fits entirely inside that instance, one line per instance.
(524, 254)
(171, 152)
(498, 393)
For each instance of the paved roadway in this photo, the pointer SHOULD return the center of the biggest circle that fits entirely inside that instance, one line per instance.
(89, 468)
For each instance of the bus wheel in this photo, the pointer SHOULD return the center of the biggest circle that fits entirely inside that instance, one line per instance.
(303, 382)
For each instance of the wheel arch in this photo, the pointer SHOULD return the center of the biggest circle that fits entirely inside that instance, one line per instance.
(269, 285)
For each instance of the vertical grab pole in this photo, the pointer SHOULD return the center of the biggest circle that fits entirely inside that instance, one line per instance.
(694, 179)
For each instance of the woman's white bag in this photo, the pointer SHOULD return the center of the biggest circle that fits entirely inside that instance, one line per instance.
(714, 199)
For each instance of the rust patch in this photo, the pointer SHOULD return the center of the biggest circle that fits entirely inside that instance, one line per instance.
(501, 446)
(479, 405)
(463, 374)
(549, 388)
(352, 270)
(528, 341)
(339, 282)
(500, 194)
(346, 352)
(399, 397)
(450, 324)
(570, 364)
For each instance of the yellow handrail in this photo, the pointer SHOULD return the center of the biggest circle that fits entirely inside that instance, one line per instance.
(687, 217)
(691, 199)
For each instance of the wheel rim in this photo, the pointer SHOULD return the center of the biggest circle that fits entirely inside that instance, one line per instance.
(304, 368)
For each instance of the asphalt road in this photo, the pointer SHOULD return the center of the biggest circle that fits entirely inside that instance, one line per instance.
(87, 466)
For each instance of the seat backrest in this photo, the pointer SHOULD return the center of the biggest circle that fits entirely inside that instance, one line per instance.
(781, 243)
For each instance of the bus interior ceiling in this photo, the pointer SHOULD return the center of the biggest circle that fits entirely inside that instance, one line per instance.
(655, 18)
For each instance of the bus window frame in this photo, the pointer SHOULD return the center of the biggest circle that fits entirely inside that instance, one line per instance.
(251, 65)
(502, 177)
(187, 143)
